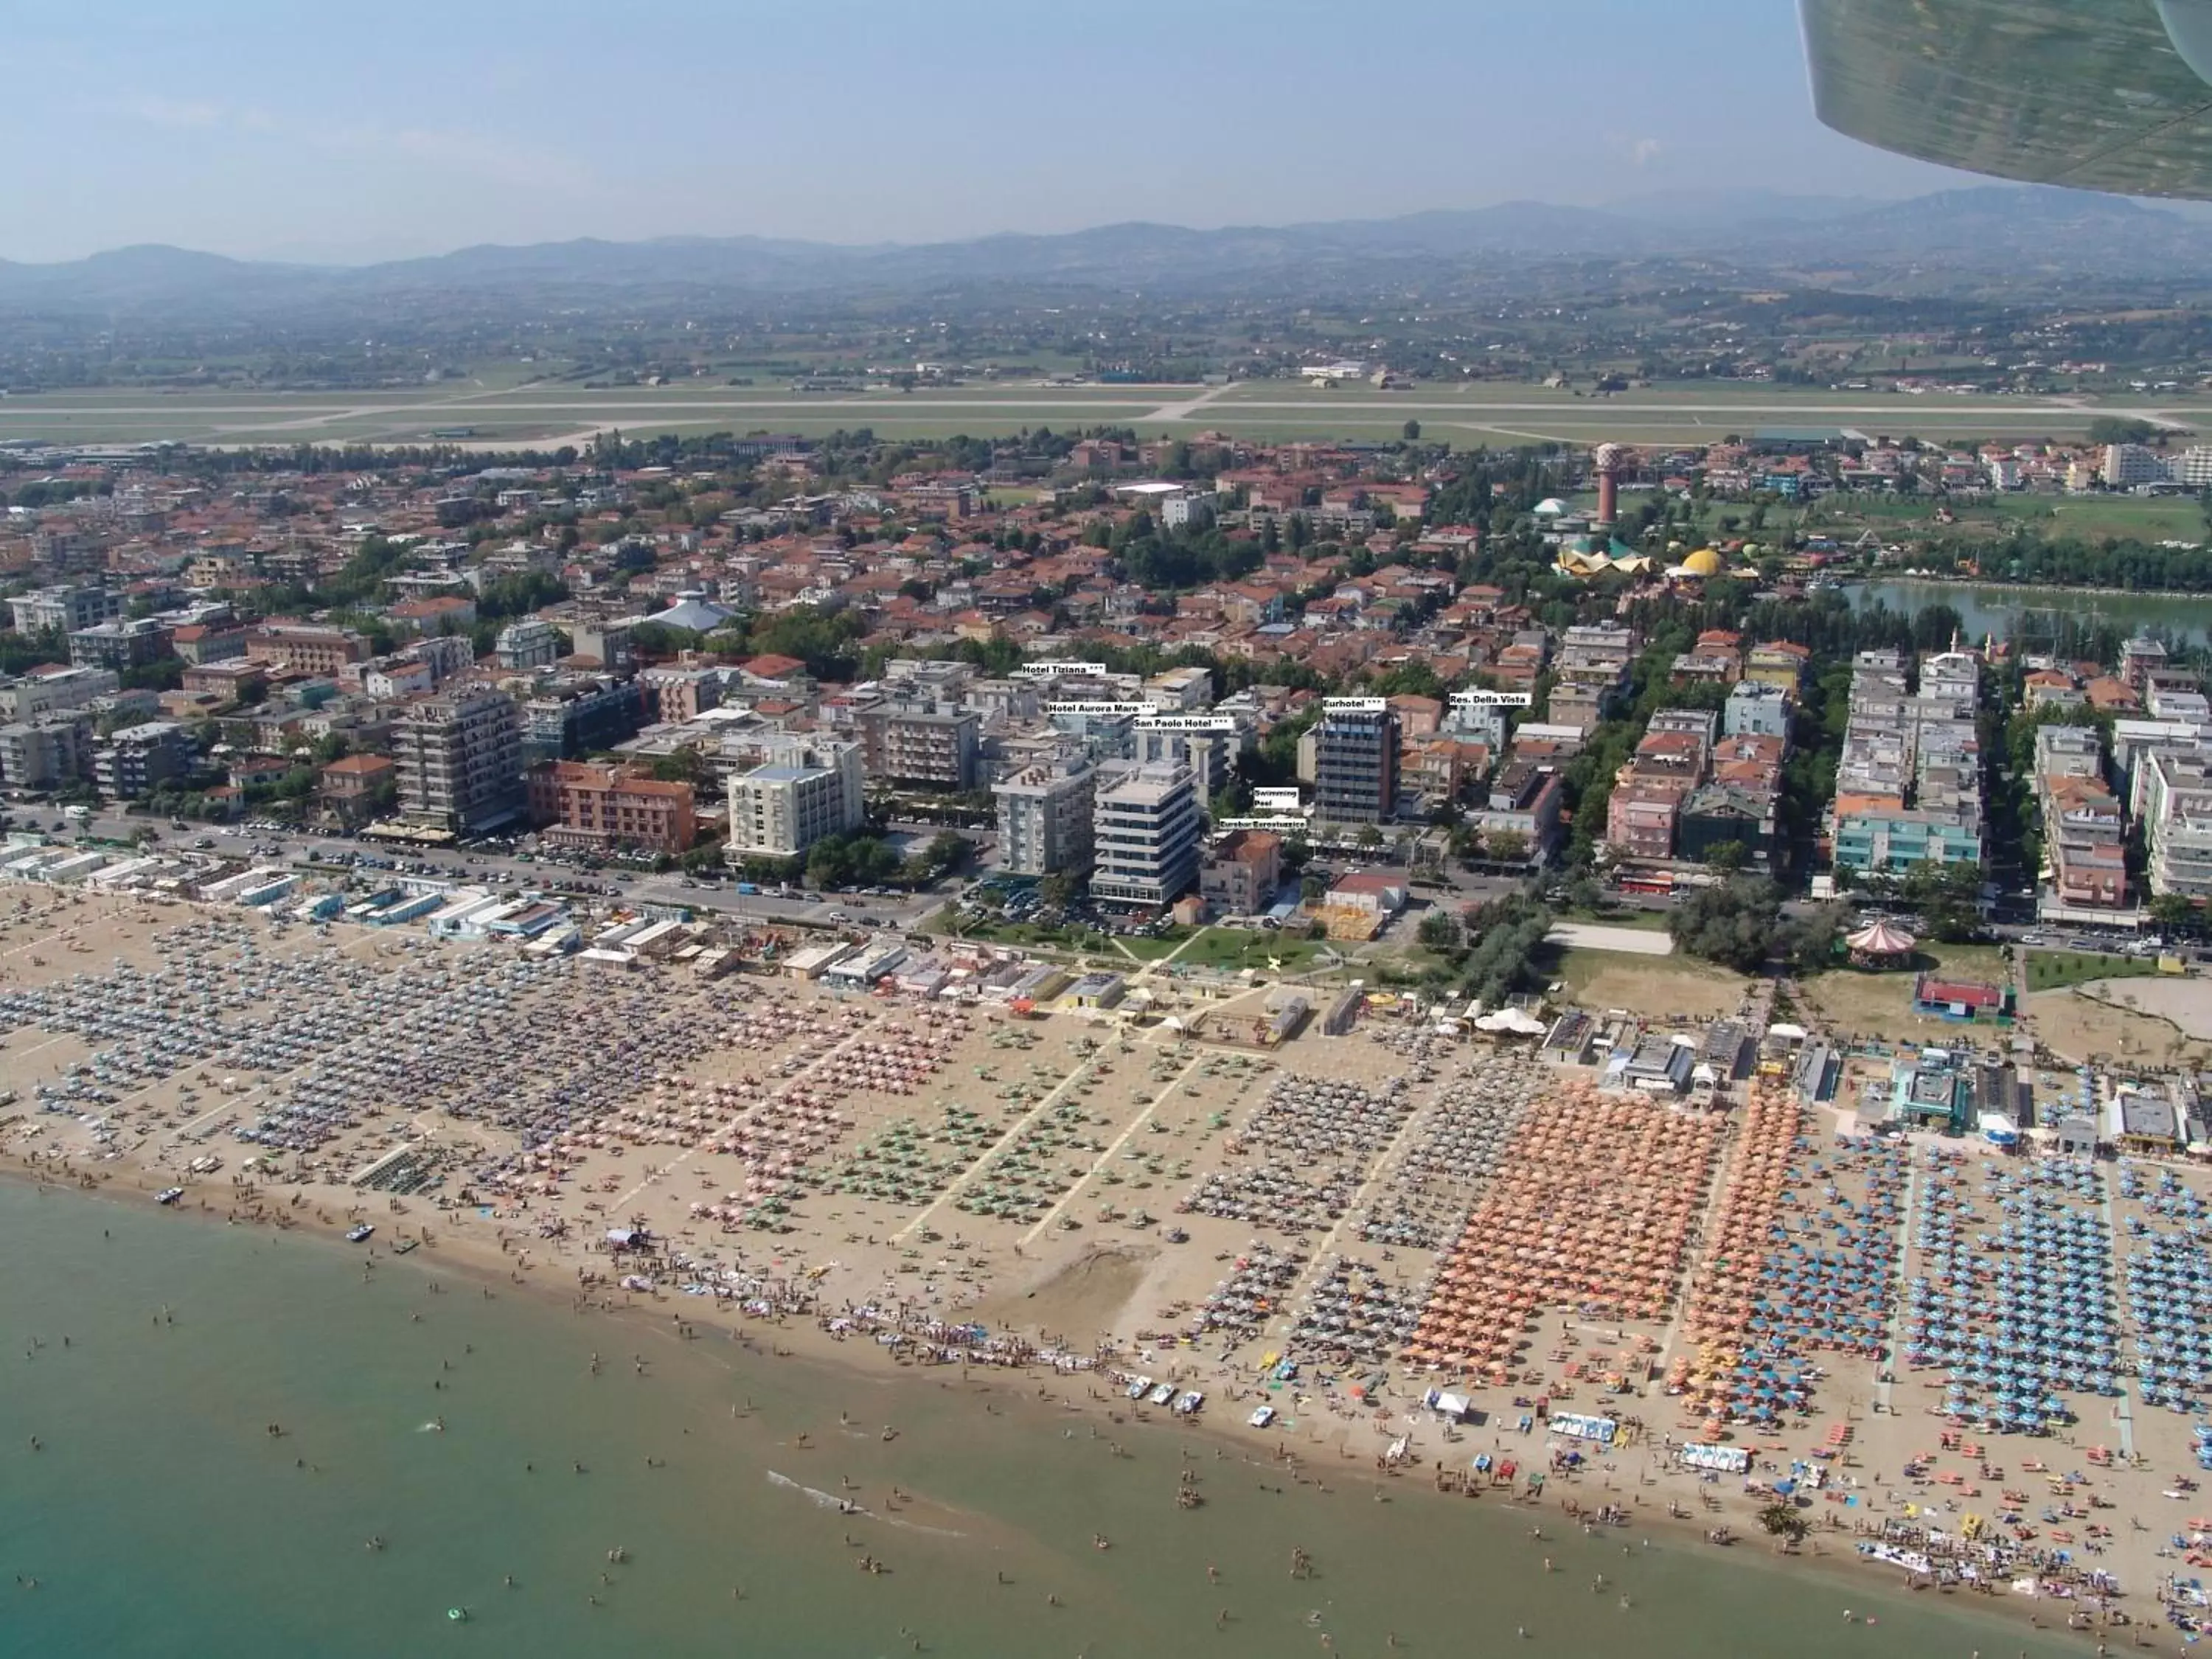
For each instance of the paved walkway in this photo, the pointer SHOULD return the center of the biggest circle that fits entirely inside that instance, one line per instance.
(1597, 936)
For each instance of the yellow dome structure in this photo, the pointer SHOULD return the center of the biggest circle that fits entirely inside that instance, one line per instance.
(1703, 562)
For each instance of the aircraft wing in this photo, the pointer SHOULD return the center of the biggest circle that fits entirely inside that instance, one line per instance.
(2091, 94)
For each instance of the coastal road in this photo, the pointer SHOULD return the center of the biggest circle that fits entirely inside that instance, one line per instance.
(466, 866)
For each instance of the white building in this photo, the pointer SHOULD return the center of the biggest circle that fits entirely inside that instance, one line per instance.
(527, 642)
(64, 609)
(66, 687)
(807, 789)
(2177, 821)
(2127, 465)
(1045, 817)
(1145, 829)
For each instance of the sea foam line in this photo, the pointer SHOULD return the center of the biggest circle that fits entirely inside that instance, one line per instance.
(824, 1500)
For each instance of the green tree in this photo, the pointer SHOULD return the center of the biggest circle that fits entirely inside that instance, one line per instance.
(1727, 857)
(1733, 925)
(1440, 931)
(1411, 432)
(2171, 912)
(2120, 430)
(685, 764)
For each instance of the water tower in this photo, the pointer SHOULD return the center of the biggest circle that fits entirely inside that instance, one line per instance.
(1607, 460)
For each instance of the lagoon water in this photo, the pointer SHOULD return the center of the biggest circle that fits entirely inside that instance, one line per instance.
(2021, 612)
(159, 1516)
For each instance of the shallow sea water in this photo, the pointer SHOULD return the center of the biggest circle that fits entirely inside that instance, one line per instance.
(160, 1516)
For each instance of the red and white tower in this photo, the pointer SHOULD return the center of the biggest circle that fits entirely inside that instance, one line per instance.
(1608, 460)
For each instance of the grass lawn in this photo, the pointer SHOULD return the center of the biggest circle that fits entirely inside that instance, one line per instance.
(1026, 934)
(1152, 950)
(2053, 971)
(1851, 1000)
(1659, 987)
(1232, 950)
(1985, 963)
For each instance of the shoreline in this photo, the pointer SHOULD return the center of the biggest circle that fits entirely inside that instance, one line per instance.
(1041, 1387)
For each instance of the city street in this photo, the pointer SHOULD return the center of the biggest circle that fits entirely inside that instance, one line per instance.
(485, 868)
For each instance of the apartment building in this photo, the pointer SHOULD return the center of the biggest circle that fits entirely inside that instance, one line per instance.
(1146, 827)
(353, 785)
(122, 644)
(45, 753)
(1527, 799)
(306, 647)
(2126, 466)
(1909, 782)
(528, 642)
(460, 756)
(1756, 708)
(929, 746)
(605, 809)
(806, 788)
(571, 715)
(136, 760)
(2084, 831)
(1208, 743)
(1240, 873)
(1356, 762)
(2176, 820)
(1045, 817)
(28, 698)
(679, 694)
(64, 609)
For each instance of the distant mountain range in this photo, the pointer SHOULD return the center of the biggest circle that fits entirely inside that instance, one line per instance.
(1969, 240)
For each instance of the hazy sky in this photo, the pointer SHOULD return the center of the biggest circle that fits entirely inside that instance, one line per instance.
(350, 132)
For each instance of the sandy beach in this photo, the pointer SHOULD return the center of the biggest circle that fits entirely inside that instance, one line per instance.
(1329, 1230)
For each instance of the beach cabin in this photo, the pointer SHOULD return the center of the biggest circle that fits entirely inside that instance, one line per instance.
(1344, 1012)
(861, 971)
(78, 867)
(1039, 984)
(2147, 1121)
(1570, 1041)
(127, 873)
(459, 916)
(923, 976)
(1658, 1065)
(816, 959)
(533, 918)
(556, 941)
(655, 938)
(269, 891)
(1928, 1090)
(1098, 990)
(2074, 1136)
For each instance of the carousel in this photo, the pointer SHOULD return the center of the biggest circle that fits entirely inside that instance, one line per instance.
(1881, 945)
